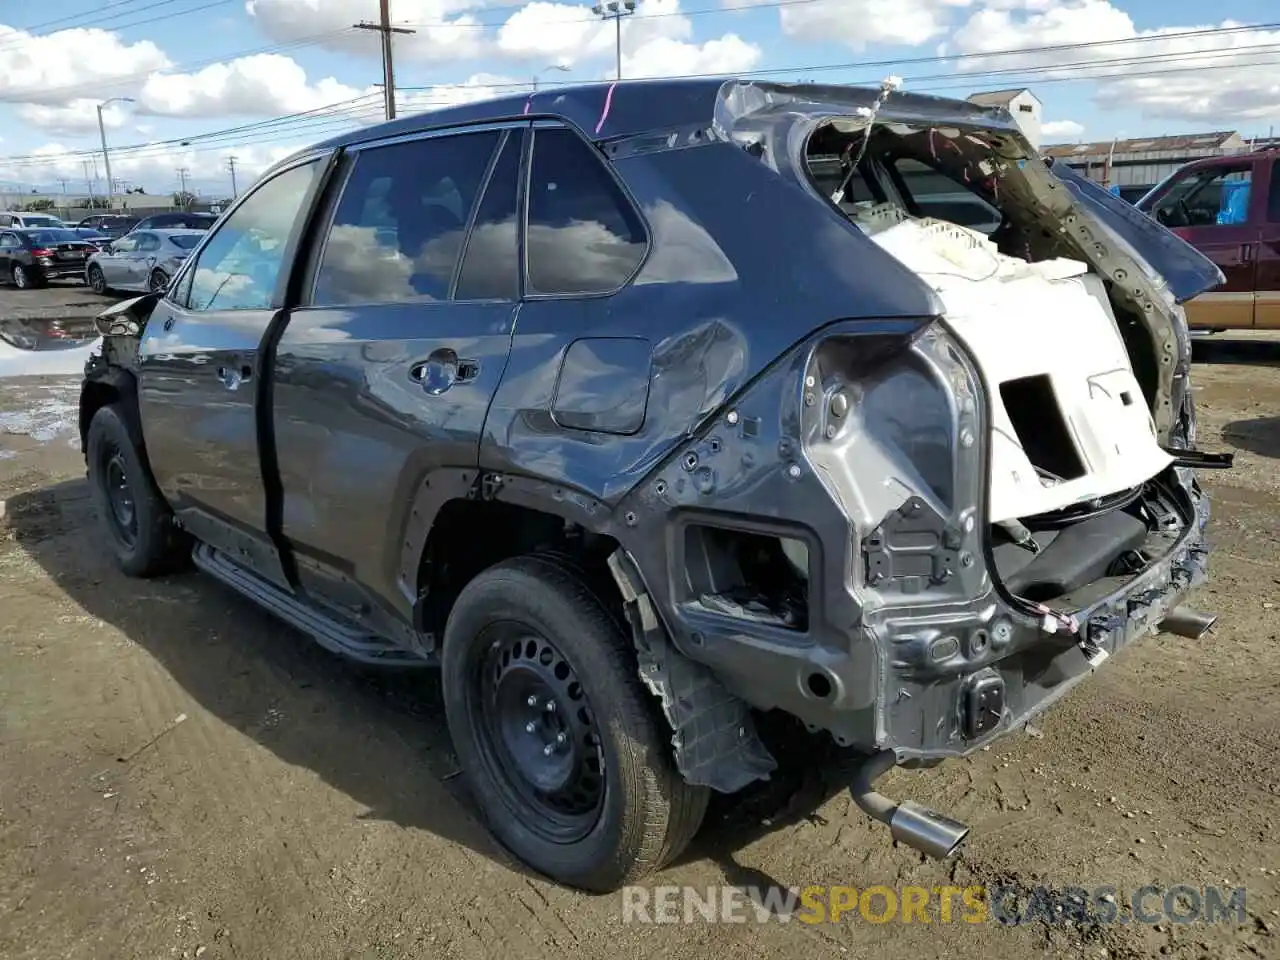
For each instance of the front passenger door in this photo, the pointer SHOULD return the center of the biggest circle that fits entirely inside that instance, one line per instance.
(200, 372)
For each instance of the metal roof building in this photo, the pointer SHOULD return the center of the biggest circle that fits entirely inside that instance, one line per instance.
(1136, 164)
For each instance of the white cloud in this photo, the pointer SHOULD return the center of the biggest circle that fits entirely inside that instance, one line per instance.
(1207, 79)
(55, 67)
(860, 23)
(1066, 129)
(264, 85)
(480, 86)
(441, 30)
(663, 57)
(77, 116)
(548, 32)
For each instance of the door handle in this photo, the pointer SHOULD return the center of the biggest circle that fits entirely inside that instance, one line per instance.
(441, 370)
(1246, 252)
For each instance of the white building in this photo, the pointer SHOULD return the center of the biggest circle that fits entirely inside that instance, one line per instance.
(1025, 106)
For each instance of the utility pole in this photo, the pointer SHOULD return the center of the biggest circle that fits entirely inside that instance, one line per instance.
(231, 162)
(182, 180)
(106, 157)
(384, 27)
(615, 10)
(88, 181)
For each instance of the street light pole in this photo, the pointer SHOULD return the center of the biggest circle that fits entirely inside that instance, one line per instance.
(615, 10)
(106, 156)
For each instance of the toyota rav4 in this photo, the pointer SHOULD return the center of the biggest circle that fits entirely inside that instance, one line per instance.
(643, 409)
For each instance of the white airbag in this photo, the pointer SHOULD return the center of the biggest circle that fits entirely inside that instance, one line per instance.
(1019, 320)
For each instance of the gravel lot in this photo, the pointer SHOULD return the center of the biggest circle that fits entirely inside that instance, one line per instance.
(306, 808)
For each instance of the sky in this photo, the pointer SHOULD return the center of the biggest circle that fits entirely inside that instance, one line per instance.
(257, 79)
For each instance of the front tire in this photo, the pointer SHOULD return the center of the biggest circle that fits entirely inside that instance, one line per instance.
(569, 762)
(132, 514)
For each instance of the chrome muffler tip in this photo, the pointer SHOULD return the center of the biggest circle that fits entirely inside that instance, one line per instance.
(920, 828)
(1185, 622)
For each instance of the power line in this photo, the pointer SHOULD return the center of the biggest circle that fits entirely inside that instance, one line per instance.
(327, 116)
(147, 21)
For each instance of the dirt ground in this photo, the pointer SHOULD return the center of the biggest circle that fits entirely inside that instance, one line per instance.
(182, 776)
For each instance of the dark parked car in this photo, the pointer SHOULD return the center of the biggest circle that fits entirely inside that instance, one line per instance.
(30, 258)
(178, 220)
(99, 240)
(109, 224)
(612, 404)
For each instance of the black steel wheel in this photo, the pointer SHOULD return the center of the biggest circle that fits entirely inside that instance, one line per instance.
(537, 733)
(563, 747)
(134, 517)
(121, 513)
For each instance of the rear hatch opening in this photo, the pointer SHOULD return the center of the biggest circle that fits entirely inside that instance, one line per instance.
(1081, 494)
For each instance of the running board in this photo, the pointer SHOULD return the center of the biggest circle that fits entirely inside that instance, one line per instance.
(333, 634)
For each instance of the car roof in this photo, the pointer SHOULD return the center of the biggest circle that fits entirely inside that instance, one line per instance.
(609, 111)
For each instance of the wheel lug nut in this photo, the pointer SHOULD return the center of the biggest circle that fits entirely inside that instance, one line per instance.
(560, 737)
(532, 701)
(548, 750)
(530, 727)
(550, 707)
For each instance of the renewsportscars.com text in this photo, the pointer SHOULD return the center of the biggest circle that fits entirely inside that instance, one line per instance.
(944, 904)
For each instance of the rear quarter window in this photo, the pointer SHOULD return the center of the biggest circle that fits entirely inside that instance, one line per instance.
(583, 235)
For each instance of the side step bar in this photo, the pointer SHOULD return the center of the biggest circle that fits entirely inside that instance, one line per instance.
(345, 639)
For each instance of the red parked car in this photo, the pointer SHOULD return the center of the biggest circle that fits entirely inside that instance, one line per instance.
(1229, 209)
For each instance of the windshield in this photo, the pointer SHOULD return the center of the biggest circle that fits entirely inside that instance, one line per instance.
(184, 240)
(53, 236)
(42, 221)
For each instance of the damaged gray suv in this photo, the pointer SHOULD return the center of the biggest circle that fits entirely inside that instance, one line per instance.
(646, 409)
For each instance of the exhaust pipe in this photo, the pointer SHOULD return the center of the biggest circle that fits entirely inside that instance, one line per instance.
(1185, 622)
(916, 826)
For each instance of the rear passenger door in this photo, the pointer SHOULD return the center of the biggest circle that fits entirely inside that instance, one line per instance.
(385, 371)
(201, 374)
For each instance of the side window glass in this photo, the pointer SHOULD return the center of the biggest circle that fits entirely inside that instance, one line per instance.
(148, 241)
(583, 235)
(399, 225)
(239, 266)
(124, 245)
(491, 265)
(1207, 198)
(6, 221)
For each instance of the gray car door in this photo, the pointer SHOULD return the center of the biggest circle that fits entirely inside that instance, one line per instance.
(113, 264)
(138, 263)
(201, 375)
(385, 372)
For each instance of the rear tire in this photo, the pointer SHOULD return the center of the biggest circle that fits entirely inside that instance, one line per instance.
(585, 790)
(97, 281)
(23, 278)
(158, 281)
(134, 517)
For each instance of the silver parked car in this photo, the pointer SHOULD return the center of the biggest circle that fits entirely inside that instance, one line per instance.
(142, 260)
